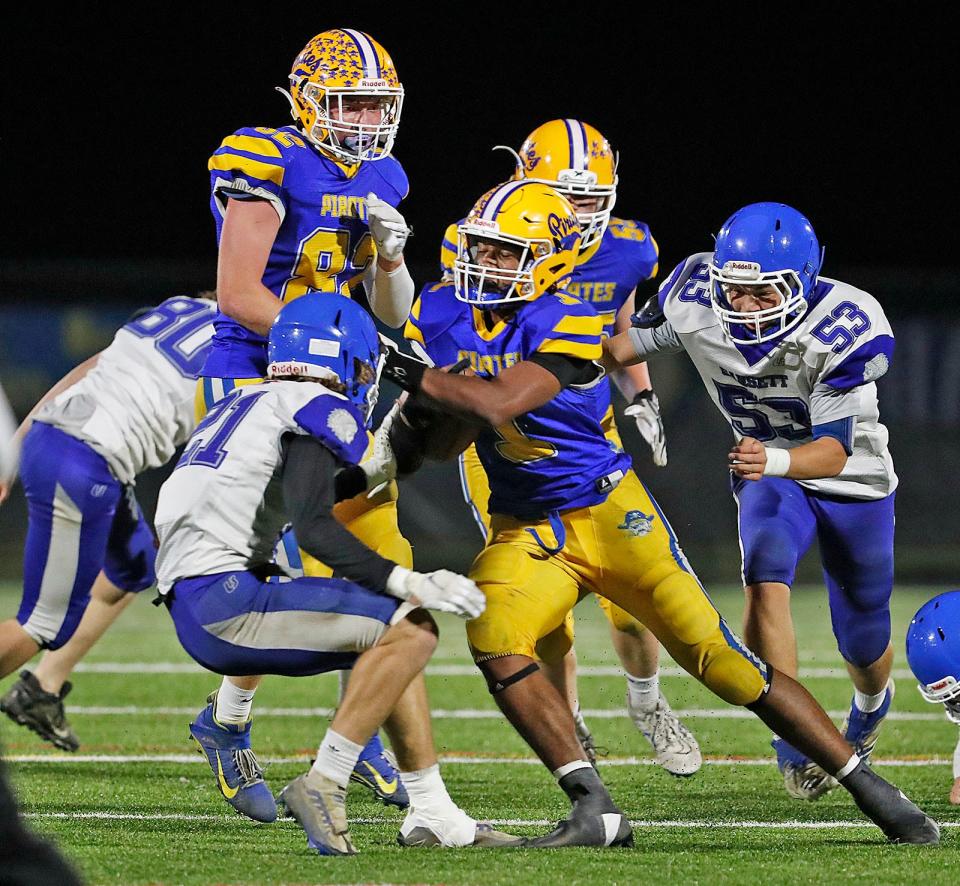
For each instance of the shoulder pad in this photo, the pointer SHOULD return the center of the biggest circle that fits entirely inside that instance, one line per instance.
(336, 423)
(397, 185)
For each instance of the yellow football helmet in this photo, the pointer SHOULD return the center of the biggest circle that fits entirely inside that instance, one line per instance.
(527, 216)
(573, 157)
(344, 64)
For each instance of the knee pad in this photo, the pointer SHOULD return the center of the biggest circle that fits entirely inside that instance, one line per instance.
(495, 685)
(863, 640)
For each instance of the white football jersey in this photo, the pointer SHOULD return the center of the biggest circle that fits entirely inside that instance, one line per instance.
(222, 509)
(823, 373)
(136, 405)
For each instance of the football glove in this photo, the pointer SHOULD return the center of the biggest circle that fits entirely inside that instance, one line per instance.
(388, 227)
(381, 467)
(402, 369)
(442, 591)
(645, 411)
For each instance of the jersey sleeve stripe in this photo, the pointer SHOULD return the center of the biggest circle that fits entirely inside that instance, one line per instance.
(584, 324)
(411, 329)
(251, 144)
(582, 350)
(229, 162)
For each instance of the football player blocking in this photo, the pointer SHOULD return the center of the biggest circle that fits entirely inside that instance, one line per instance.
(280, 453)
(560, 500)
(615, 256)
(791, 359)
(307, 210)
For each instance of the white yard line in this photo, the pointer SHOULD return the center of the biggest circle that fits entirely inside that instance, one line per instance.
(436, 669)
(500, 822)
(464, 760)
(730, 713)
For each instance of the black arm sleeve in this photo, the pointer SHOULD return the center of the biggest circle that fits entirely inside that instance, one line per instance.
(349, 482)
(308, 492)
(568, 370)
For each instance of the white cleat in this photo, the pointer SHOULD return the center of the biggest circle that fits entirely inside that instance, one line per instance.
(807, 781)
(676, 748)
(453, 831)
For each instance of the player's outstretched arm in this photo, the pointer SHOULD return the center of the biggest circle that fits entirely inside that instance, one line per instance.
(824, 457)
(249, 229)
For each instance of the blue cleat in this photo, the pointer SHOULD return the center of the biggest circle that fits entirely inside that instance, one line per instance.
(376, 771)
(862, 730)
(235, 766)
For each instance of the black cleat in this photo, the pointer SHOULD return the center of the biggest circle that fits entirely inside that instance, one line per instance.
(889, 809)
(594, 819)
(587, 829)
(29, 704)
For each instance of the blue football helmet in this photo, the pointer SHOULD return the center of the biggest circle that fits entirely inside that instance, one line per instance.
(328, 336)
(764, 244)
(933, 651)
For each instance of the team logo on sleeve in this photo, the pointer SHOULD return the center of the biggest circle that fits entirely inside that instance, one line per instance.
(343, 425)
(637, 523)
(876, 367)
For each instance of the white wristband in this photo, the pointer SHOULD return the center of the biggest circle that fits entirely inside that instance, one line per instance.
(778, 462)
(397, 582)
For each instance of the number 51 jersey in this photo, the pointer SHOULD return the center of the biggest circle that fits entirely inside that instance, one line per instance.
(818, 380)
(222, 508)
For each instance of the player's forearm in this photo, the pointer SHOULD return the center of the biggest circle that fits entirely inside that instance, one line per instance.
(252, 305)
(618, 353)
(632, 379)
(816, 460)
(390, 291)
(476, 399)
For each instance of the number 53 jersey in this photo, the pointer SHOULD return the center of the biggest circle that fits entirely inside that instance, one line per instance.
(818, 380)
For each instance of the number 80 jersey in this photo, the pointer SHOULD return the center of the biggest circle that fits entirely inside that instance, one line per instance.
(818, 380)
(135, 407)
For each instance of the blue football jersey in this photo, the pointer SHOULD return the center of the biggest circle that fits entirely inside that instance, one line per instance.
(556, 456)
(324, 242)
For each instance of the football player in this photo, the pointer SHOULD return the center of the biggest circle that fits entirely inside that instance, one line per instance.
(282, 452)
(569, 517)
(791, 359)
(89, 548)
(309, 210)
(933, 652)
(615, 257)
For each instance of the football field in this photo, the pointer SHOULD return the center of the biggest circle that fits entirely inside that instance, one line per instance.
(137, 804)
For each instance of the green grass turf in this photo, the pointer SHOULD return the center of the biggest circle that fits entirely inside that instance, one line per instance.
(69, 801)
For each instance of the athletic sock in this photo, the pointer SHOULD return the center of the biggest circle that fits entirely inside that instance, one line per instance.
(233, 704)
(336, 758)
(644, 692)
(427, 792)
(867, 704)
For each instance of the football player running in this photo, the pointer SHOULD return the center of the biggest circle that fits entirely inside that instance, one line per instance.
(570, 518)
(791, 359)
(89, 548)
(933, 652)
(282, 452)
(309, 210)
(615, 256)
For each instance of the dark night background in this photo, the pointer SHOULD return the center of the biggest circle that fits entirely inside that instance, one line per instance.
(109, 118)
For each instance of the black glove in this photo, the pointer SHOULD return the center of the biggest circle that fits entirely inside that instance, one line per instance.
(402, 369)
(650, 316)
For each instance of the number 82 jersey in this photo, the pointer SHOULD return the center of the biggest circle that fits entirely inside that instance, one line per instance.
(818, 380)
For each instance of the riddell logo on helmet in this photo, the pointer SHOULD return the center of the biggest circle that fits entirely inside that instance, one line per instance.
(372, 84)
(485, 223)
(940, 684)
